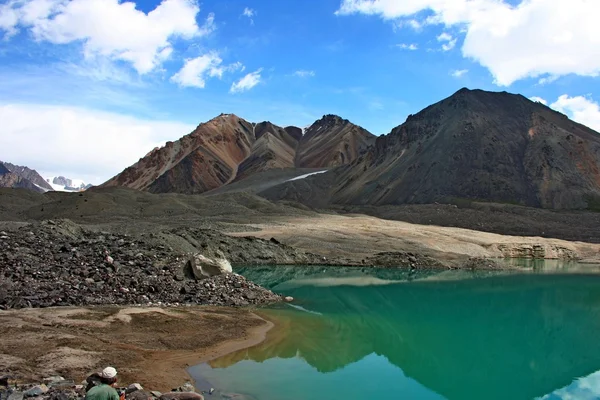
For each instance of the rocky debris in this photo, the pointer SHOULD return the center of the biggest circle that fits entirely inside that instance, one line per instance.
(70, 391)
(404, 259)
(56, 263)
(238, 250)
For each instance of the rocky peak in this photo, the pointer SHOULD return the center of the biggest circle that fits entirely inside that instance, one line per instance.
(3, 169)
(62, 181)
(28, 174)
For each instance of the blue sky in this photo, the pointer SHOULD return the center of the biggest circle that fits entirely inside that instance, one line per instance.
(108, 80)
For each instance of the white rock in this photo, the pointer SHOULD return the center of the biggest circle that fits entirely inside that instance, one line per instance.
(204, 267)
(134, 387)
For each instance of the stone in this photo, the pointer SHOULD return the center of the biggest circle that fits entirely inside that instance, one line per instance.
(133, 387)
(203, 267)
(15, 396)
(187, 387)
(156, 393)
(289, 299)
(139, 395)
(36, 391)
(181, 396)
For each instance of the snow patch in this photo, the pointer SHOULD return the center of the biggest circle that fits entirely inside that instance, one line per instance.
(305, 176)
(43, 188)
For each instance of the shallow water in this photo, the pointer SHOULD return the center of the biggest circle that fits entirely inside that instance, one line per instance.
(387, 334)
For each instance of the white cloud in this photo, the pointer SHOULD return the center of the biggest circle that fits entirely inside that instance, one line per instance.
(250, 13)
(579, 108)
(108, 28)
(406, 46)
(539, 100)
(247, 82)
(450, 41)
(531, 39)
(77, 142)
(195, 70)
(304, 73)
(458, 73)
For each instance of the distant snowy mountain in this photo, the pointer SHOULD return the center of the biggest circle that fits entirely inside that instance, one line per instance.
(62, 184)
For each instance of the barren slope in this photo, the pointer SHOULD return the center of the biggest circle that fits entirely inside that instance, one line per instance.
(228, 148)
(476, 145)
(331, 142)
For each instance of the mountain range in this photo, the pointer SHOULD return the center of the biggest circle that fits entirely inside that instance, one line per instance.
(16, 176)
(472, 146)
(228, 149)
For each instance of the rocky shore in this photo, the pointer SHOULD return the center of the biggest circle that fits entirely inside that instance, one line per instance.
(59, 388)
(58, 263)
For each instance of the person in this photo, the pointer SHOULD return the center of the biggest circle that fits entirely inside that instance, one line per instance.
(102, 385)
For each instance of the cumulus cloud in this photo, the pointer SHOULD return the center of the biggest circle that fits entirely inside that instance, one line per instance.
(531, 39)
(195, 71)
(406, 46)
(458, 73)
(304, 73)
(579, 108)
(79, 143)
(108, 28)
(247, 82)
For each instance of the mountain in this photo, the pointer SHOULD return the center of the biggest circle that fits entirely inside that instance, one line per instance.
(332, 141)
(62, 184)
(29, 174)
(228, 148)
(477, 145)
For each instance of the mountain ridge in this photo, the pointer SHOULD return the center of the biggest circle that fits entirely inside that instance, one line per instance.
(477, 145)
(228, 148)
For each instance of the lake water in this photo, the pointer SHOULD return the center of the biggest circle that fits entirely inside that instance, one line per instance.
(391, 334)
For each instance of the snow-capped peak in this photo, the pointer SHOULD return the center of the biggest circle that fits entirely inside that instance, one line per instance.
(62, 184)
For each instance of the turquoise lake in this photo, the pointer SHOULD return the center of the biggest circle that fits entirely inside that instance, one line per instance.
(395, 334)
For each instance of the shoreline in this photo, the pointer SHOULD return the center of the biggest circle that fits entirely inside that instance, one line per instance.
(147, 345)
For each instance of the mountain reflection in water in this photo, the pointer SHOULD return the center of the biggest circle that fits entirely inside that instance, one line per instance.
(505, 337)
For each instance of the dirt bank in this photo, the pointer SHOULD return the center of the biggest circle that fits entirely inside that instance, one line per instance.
(152, 346)
(357, 237)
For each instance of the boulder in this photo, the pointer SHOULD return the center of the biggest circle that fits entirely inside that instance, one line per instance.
(202, 267)
(181, 396)
(133, 387)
